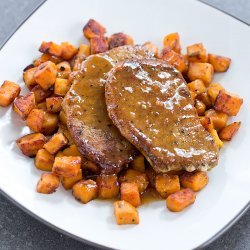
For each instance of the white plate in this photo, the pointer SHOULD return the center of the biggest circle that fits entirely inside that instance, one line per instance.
(228, 192)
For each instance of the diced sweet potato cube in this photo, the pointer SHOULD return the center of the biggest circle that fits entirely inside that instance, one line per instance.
(200, 107)
(151, 175)
(84, 50)
(8, 92)
(229, 131)
(193, 95)
(68, 51)
(24, 104)
(63, 70)
(197, 86)
(108, 186)
(217, 139)
(93, 29)
(125, 213)
(42, 106)
(228, 103)
(30, 144)
(50, 123)
(41, 94)
(205, 99)
(197, 53)
(35, 120)
(167, 184)
(63, 129)
(51, 48)
(202, 71)
(98, 44)
(138, 177)
(57, 142)
(28, 77)
(175, 59)
(62, 117)
(54, 104)
(178, 201)
(220, 63)
(46, 57)
(207, 123)
(119, 39)
(213, 90)
(30, 66)
(90, 166)
(219, 119)
(69, 182)
(72, 150)
(45, 74)
(44, 160)
(48, 183)
(151, 47)
(62, 86)
(172, 41)
(130, 193)
(60, 154)
(138, 163)
(67, 166)
(194, 180)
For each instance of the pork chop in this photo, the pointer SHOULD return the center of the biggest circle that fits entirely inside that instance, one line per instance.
(86, 112)
(150, 104)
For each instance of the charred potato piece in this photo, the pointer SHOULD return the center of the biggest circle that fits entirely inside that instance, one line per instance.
(68, 51)
(217, 139)
(24, 104)
(219, 119)
(51, 48)
(197, 86)
(50, 123)
(220, 63)
(178, 201)
(30, 144)
(228, 103)
(172, 41)
(93, 29)
(54, 104)
(213, 91)
(196, 53)
(8, 92)
(41, 94)
(207, 123)
(57, 142)
(108, 186)
(228, 132)
(46, 57)
(72, 150)
(119, 39)
(69, 182)
(98, 44)
(151, 47)
(125, 213)
(194, 180)
(130, 193)
(62, 86)
(28, 77)
(63, 70)
(200, 107)
(48, 184)
(35, 120)
(138, 163)
(44, 160)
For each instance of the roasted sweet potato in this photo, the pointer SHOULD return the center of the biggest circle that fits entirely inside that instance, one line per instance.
(63, 70)
(93, 29)
(217, 139)
(228, 103)
(68, 51)
(125, 213)
(45, 75)
(24, 104)
(207, 123)
(50, 123)
(48, 184)
(8, 92)
(72, 150)
(220, 63)
(62, 86)
(44, 160)
(167, 184)
(30, 66)
(63, 118)
(228, 132)
(219, 119)
(108, 186)
(67, 166)
(213, 90)
(69, 182)
(35, 120)
(138, 163)
(46, 57)
(178, 201)
(30, 144)
(194, 180)
(54, 104)
(200, 107)
(42, 106)
(51, 48)
(196, 53)
(193, 95)
(63, 129)
(205, 99)
(172, 41)
(84, 50)
(56, 142)
(151, 47)
(40, 93)
(98, 44)
(119, 39)
(28, 78)
(197, 86)
(202, 71)
(130, 193)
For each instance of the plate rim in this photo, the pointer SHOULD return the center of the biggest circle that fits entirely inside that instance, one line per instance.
(80, 239)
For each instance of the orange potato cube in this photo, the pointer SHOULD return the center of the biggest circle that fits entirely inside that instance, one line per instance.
(200, 107)
(65, 131)
(24, 104)
(67, 166)
(167, 184)
(197, 86)
(30, 66)
(138, 163)
(48, 184)
(60, 154)
(68, 51)
(8, 92)
(69, 182)
(85, 191)
(51, 48)
(228, 103)
(42, 106)
(46, 57)
(30, 144)
(72, 150)
(205, 99)
(56, 142)
(50, 123)
(213, 91)
(63, 70)
(207, 123)
(54, 104)
(84, 50)
(28, 77)
(108, 186)
(45, 74)
(98, 44)
(62, 118)
(216, 138)
(202, 71)
(219, 119)
(40, 93)
(196, 53)
(130, 193)
(35, 120)
(220, 63)
(119, 39)
(194, 180)
(125, 213)
(229, 131)
(151, 47)
(62, 86)
(193, 95)
(44, 160)
(178, 201)
(93, 29)
(172, 41)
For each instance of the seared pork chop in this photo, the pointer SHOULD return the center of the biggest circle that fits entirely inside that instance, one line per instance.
(150, 104)
(87, 118)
